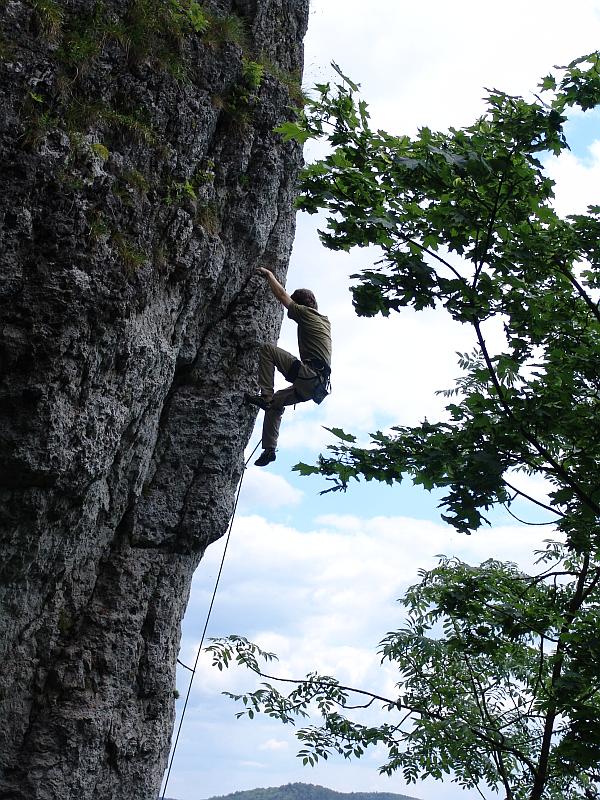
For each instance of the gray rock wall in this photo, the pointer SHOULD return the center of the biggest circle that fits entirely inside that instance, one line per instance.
(141, 184)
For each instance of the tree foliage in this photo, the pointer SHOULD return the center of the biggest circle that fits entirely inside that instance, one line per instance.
(464, 221)
(499, 683)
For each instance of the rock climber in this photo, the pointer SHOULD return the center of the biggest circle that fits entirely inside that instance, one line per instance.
(309, 375)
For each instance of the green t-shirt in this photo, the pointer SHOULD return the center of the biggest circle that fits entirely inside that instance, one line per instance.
(314, 332)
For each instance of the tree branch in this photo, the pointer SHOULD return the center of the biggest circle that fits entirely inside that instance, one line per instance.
(593, 307)
(544, 757)
(522, 521)
(486, 717)
(336, 685)
(490, 229)
(533, 441)
(533, 500)
(539, 677)
(408, 239)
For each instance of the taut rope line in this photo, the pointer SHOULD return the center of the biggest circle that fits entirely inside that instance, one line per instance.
(193, 669)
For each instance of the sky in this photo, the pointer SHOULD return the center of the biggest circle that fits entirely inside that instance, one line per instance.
(315, 578)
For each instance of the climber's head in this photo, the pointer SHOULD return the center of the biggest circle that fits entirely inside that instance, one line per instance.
(304, 297)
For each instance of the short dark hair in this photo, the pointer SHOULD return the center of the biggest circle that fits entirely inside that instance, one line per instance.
(304, 297)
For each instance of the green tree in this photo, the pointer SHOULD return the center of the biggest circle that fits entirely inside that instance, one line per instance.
(499, 676)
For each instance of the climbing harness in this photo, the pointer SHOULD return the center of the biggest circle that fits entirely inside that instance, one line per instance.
(323, 387)
(322, 379)
(193, 669)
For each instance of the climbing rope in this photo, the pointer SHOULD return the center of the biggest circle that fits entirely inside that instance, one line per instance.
(210, 608)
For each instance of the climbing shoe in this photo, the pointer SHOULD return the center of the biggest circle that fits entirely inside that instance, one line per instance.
(257, 400)
(267, 455)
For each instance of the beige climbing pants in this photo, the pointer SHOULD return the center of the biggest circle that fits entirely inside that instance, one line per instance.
(272, 357)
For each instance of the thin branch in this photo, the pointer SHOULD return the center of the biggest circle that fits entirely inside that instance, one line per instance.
(480, 699)
(539, 678)
(503, 614)
(490, 230)
(475, 782)
(333, 684)
(533, 500)
(477, 789)
(564, 270)
(364, 705)
(403, 720)
(433, 254)
(589, 694)
(533, 441)
(407, 239)
(507, 749)
(592, 585)
(523, 521)
(533, 580)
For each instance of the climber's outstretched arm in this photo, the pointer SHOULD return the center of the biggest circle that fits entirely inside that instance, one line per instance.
(277, 289)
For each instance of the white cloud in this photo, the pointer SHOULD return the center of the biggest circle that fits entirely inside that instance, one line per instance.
(577, 180)
(267, 490)
(323, 598)
(341, 522)
(274, 744)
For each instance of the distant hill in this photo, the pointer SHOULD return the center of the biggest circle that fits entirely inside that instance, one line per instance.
(308, 791)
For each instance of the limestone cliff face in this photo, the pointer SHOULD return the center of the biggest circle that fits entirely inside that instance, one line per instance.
(141, 183)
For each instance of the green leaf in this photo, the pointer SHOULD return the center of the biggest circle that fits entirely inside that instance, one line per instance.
(353, 86)
(346, 437)
(292, 131)
(549, 82)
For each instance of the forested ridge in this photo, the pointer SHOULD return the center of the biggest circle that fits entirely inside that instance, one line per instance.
(307, 791)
